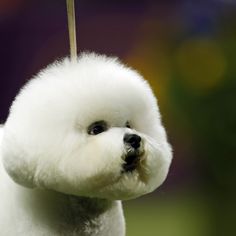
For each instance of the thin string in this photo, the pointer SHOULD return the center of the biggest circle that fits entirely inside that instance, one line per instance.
(72, 29)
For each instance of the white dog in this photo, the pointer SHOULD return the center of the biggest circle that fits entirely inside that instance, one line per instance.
(80, 137)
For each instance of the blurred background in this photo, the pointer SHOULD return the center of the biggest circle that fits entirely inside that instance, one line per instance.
(187, 51)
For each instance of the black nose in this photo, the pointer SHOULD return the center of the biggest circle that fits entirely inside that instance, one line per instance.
(133, 140)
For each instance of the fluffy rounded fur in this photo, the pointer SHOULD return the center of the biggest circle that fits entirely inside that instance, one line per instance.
(67, 181)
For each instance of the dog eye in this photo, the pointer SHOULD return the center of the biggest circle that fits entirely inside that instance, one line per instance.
(128, 125)
(97, 127)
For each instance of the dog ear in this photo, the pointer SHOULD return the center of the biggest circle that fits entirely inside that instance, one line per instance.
(15, 162)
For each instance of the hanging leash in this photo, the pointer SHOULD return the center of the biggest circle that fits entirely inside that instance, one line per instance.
(72, 29)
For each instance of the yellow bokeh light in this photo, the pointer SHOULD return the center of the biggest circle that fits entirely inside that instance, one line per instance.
(201, 63)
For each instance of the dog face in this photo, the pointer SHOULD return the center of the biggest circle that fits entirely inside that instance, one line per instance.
(90, 128)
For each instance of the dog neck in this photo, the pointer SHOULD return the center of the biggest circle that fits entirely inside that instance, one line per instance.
(86, 213)
(69, 215)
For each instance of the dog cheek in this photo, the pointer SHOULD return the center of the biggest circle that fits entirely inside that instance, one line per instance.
(158, 159)
(106, 162)
(108, 153)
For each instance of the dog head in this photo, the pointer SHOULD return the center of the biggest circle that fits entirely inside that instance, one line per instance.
(90, 128)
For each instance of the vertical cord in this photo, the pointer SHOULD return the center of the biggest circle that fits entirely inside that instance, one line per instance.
(72, 29)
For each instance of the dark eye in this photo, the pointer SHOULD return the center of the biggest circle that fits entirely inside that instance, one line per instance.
(128, 125)
(97, 127)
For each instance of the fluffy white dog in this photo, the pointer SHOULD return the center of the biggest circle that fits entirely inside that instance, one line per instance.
(80, 137)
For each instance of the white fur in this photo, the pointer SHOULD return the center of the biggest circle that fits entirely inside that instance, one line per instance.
(67, 182)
